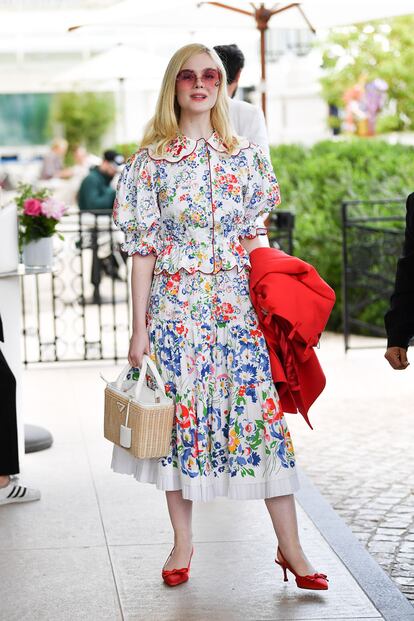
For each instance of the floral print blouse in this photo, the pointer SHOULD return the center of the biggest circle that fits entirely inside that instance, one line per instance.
(192, 206)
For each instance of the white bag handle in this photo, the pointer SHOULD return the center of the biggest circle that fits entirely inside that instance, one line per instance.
(146, 361)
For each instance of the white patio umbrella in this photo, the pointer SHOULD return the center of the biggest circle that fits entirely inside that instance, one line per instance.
(201, 17)
(120, 62)
(196, 15)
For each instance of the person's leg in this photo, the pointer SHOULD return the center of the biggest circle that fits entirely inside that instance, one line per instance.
(9, 454)
(180, 511)
(282, 511)
(96, 265)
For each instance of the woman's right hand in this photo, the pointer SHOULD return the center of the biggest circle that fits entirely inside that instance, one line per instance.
(138, 346)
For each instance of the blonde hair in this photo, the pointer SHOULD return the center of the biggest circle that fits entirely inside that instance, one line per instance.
(163, 126)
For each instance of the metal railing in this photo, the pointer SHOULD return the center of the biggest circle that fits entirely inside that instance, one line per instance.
(281, 226)
(81, 310)
(372, 239)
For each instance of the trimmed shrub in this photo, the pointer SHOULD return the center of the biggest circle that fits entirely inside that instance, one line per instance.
(314, 182)
(84, 116)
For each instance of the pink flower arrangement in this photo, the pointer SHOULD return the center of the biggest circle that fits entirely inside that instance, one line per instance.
(51, 208)
(39, 214)
(32, 207)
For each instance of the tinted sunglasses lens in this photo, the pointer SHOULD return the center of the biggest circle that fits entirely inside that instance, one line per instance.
(186, 78)
(210, 77)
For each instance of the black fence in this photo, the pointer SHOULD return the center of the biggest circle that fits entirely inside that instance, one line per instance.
(373, 235)
(81, 310)
(280, 230)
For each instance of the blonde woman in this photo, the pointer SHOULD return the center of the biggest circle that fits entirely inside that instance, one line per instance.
(188, 201)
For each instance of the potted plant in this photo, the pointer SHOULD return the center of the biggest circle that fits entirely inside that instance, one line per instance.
(39, 214)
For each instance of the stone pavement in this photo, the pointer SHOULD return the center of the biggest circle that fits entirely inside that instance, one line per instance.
(361, 452)
(93, 547)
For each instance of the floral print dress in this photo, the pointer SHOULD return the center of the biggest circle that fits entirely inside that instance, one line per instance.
(190, 208)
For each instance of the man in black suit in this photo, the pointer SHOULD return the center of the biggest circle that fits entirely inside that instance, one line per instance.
(399, 320)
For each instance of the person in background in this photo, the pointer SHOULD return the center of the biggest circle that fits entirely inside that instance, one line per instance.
(399, 320)
(53, 164)
(83, 161)
(97, 194)
(95, 191)
(246, 119)
(10, 490)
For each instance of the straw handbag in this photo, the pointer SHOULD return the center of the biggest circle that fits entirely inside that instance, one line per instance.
(141, 419)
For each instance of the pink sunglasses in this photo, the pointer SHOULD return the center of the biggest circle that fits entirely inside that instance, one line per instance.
(187, 78)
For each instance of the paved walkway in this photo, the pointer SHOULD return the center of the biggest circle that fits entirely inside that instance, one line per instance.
(360, 454)
(92, 548)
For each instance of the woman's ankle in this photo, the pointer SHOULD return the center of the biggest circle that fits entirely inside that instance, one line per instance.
(289, 547)
(183, 540)
(4, 480)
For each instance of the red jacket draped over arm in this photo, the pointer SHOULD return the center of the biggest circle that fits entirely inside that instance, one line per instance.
(293, 304)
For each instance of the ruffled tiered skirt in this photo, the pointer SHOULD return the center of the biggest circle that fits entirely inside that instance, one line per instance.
(230, 436)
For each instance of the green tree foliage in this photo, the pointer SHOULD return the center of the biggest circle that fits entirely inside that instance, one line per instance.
(85, 117)
(314, 182)
(377, 50)
(127, 148)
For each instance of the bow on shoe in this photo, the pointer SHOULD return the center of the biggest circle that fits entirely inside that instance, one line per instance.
(169, 572)
(316, 576)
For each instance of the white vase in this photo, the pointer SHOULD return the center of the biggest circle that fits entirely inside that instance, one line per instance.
(38, 253)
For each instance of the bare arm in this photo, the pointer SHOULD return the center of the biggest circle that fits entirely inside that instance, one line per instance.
(141, 279)
(260, 241)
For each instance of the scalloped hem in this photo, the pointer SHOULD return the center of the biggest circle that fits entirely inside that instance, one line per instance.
(236, 266)
(285, 481)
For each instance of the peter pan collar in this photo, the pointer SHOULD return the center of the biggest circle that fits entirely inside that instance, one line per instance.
(183, 146)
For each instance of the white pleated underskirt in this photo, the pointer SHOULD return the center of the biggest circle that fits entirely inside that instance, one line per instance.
(284, 482)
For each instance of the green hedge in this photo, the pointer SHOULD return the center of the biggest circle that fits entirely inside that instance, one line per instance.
(314, 181)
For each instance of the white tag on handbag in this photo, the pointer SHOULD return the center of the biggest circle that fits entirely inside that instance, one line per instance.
(125, 438)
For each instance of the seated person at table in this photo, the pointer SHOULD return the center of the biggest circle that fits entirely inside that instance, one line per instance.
(53, 164)
(96, 191)
(95, 194)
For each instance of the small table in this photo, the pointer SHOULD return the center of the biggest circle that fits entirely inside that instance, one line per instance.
(35, 438)
(25, 270)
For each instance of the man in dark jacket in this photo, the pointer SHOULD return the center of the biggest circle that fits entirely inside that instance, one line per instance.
(95, 191)
(96, 194)
(399, 320)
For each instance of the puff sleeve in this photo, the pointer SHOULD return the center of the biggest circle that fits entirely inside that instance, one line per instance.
(262, 194)
(136, 211)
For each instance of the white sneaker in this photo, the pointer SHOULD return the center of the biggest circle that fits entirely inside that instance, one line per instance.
(13, 492)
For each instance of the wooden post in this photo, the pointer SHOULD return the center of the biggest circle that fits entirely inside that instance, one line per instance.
(263, 65)
(262, 17)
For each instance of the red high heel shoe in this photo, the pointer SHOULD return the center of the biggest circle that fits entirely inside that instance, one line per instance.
(173, 577)
(316, 582)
